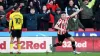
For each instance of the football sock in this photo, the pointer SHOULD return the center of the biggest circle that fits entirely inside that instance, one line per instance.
(11, 47)
(19, 47)
(57, 44)
(73, 46)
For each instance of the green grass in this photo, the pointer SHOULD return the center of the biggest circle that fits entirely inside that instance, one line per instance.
(53, 54)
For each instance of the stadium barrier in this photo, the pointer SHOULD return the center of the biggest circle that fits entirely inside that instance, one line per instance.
(86, 44)
(36, 42)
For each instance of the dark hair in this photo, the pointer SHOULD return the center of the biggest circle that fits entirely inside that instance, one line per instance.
(63, 12)
(16, 7)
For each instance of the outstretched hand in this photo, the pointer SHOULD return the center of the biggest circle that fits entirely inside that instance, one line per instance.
(81, 9)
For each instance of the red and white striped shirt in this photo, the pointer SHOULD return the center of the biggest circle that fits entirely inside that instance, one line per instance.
(63, 23)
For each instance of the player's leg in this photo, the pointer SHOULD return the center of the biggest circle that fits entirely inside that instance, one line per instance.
(60, 40)
(11, 44)
(11, 41)
(18, 40)
(73, 45)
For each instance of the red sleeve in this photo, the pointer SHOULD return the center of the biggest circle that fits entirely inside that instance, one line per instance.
(51, 18)
(8, 15)
(48, 6)
(54, 7)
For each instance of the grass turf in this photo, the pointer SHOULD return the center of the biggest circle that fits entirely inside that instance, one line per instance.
(53, 54)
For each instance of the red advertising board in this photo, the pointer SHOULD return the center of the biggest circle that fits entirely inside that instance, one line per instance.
(96, 44)
(82, 44)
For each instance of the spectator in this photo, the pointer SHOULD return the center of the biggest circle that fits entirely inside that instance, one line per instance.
(3, 12)
(30, 4)
(57, 15)
(52, 6)
(73, 23)
(71, 8)
(31, 20)
(97, 18)
(2, 23)
(35, 4)
(87, 13)
(2, 3)
(45, 19)
(2, 19)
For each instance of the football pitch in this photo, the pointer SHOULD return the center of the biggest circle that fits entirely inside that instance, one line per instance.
(53, 54)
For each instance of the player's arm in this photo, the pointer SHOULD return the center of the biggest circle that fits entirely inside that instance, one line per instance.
(75, 13)
(22, 19)
(10, 23)
(57, 24)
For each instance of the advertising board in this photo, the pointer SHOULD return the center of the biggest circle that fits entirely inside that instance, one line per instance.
(28, 44)
(82, 44)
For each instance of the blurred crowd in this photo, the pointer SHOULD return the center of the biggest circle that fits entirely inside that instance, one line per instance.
(33, 19)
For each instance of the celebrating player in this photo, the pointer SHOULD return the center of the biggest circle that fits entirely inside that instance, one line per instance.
(61, 26)
(15, 27)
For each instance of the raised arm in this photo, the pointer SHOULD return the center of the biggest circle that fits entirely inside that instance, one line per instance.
(91, 4)
(75, 13)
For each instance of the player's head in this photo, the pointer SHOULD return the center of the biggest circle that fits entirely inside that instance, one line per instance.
(71, 3)
(63, 15)
(16, 8)
(86, 1)
(32, 11)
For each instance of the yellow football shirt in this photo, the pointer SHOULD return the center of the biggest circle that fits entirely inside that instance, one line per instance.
(16, 21)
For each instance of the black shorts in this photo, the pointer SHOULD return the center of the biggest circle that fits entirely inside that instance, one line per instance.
(62, 37)
(16, 33)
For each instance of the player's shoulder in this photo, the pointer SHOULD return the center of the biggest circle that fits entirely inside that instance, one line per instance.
(60, 20)
(11, 14)
(20, 13)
